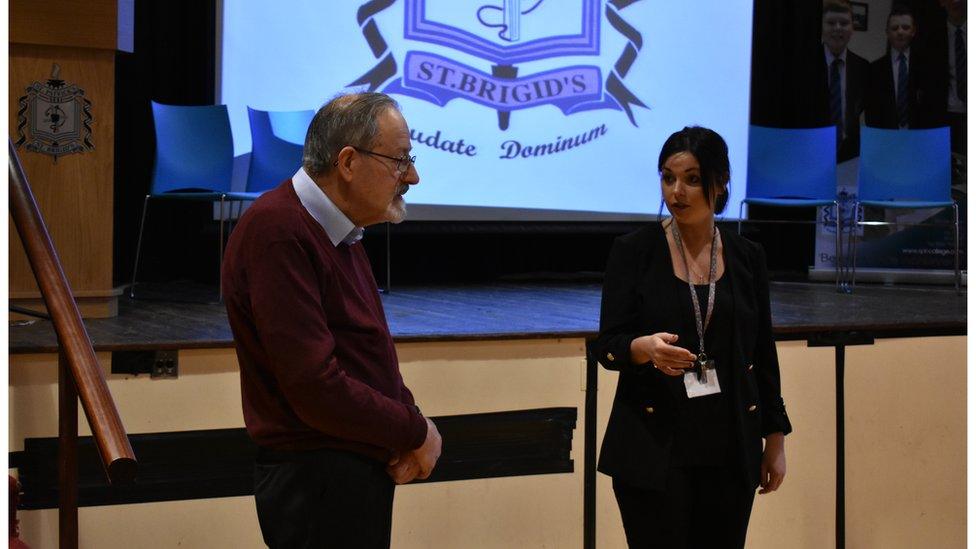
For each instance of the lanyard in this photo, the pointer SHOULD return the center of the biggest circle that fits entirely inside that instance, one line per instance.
(699, 325)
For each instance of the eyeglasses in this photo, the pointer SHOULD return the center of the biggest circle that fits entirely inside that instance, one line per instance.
(403, 163)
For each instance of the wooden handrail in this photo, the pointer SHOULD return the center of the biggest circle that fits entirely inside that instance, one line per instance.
(103, 417)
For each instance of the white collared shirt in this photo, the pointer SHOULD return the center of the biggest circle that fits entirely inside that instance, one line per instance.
(335, 223)
(829, 58)
(955, 104)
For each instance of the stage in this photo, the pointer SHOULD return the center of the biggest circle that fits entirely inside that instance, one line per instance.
(517, 311)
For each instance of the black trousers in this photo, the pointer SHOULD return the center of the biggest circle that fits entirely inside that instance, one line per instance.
(323, 498)
(699, 508)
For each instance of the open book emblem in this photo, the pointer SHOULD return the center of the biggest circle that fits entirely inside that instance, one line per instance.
(504, 34)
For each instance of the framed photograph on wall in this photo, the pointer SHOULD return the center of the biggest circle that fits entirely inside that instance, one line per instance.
(860, 12)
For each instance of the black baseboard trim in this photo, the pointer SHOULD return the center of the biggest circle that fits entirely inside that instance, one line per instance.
(219, 462)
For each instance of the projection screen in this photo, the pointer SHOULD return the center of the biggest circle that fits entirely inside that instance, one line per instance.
(518, 109)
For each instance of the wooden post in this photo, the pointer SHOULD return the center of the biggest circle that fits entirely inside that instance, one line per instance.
(67, 455)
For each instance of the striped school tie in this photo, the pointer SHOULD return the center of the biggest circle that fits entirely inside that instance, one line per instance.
(902, 91)
(836, 102)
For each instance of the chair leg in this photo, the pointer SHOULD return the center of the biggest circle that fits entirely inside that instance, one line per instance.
(741, 204)
(135, 267)
(232, 217)
(837, 251)
(853, 247)
(955, 227)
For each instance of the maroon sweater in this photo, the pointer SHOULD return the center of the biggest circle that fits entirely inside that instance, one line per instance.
(318, 365)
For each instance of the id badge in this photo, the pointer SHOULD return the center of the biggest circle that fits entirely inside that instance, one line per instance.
(696, 388)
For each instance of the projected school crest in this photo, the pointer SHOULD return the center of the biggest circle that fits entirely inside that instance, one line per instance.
(505, 33)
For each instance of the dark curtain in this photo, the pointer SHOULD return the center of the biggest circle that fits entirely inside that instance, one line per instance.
(172, 62)
(789, 90)
(788, 87)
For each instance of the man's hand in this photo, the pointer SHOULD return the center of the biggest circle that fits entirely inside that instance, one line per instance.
(403, 469)
(417, 463)
(429, 452)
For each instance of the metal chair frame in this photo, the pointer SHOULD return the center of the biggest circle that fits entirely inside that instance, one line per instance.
(208, 127)
(890, 191)
(839, 281)
(808, 156)
(220, 244)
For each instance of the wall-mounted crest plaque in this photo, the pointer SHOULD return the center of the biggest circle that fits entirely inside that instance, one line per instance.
(55, 118)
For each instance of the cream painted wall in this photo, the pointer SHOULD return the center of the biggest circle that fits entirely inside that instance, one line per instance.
(446, 379)
(871, 44)
(905, 432)
(906, 444)
(205, 396)
(473, 377)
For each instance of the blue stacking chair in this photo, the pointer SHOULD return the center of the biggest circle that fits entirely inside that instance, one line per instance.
(277, 139)
(194, 162)
(794, 168)
(906, 169)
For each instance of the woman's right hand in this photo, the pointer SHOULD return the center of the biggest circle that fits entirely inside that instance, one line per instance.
(659, 349)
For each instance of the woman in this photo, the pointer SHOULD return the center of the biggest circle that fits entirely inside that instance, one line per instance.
(684, 444)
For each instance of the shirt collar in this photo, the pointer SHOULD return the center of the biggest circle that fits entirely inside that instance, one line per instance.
(952, 28)
(829, 55)
(895, 53)
(335, 223)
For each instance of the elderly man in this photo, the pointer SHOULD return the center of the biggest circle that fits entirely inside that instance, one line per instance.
(323, 398)
(847, 75)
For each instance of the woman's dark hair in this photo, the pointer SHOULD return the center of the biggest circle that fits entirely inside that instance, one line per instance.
(712, 154)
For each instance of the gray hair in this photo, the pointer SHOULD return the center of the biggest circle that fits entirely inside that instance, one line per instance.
(346, 120)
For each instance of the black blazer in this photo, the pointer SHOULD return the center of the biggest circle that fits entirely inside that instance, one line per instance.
(880, 107)
(856, 70)
(637, 444)
(937, 57)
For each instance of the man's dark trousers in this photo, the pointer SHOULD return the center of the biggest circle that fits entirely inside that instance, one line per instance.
(322, 498)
